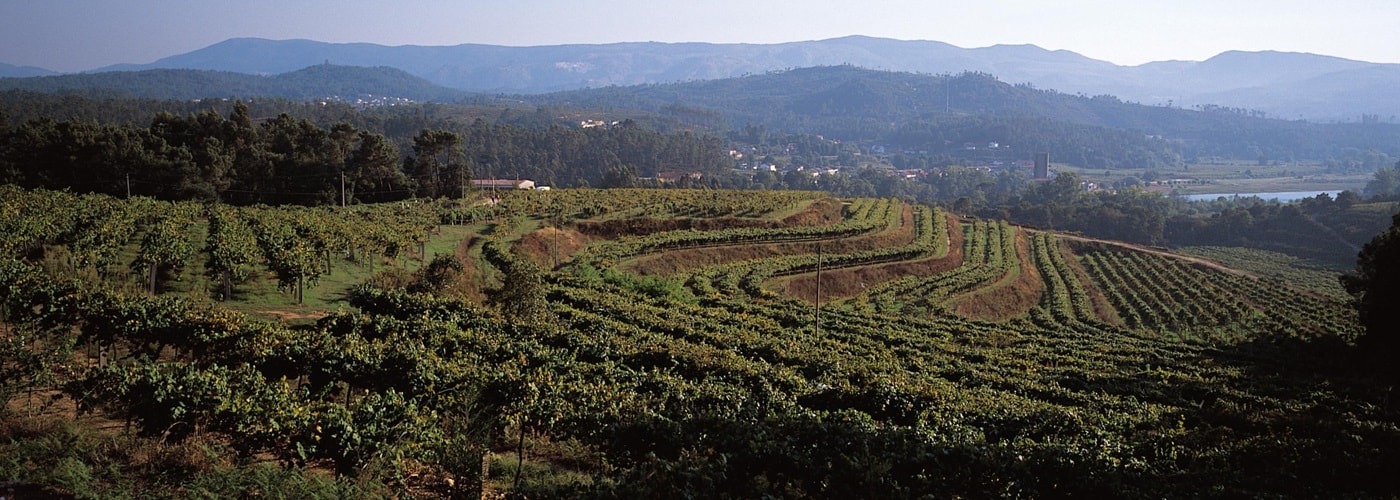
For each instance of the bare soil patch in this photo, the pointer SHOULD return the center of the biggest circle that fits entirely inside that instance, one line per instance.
(288, 315)
(1004, 300)
(842, 283)
(642, 226)
(549, 247)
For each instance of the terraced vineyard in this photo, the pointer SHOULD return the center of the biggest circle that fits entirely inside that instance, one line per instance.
(690, 343)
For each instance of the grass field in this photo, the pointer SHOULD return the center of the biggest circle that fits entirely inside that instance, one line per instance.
(1232, 177)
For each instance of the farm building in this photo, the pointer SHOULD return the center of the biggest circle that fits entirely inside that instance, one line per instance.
(503, 184)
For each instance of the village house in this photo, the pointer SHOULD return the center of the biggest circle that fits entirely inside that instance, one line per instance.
(503, 184)
(675, 176)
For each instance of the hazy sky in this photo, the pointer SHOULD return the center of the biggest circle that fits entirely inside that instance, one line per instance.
(72, 35)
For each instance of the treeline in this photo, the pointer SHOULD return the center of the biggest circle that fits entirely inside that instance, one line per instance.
(111, 107)
(1020, 136)
(285, 159)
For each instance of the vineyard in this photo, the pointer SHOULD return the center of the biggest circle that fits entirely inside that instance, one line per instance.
(659, 343)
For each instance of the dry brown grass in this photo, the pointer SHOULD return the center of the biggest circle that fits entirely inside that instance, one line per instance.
(1011, 296)
(551, 246)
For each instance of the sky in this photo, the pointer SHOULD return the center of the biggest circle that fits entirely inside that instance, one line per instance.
(77, 35)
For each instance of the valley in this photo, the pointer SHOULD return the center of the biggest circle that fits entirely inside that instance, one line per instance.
(852, 267)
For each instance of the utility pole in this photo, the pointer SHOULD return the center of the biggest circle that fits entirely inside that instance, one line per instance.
(492, 179)
(817, 315)
(128, 185)
(342, 188)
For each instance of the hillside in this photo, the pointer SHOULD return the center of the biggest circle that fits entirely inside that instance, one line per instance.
(673, 343)
(939, 113)
(11, 71)
(1262, 81)
(893, 110)
(381, 85)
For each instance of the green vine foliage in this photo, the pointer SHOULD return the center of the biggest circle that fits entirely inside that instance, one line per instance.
(1215, 383)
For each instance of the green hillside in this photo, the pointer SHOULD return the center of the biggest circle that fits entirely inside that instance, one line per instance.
(941, 113)
(667, 343)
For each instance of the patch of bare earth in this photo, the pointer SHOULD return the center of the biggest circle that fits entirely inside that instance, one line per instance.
(470, 283)
(1009, 297)
(842, 283)
(288, 315)
(643, 226)
(549, 247)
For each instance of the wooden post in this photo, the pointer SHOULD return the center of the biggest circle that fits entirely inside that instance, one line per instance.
(817, 316)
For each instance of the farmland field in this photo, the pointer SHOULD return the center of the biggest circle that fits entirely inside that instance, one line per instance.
(670, 343)
(1231, 177)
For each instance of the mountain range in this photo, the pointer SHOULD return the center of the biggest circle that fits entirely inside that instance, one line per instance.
(12, 71)
(1281, 84)
(378, 85)
(937, 114)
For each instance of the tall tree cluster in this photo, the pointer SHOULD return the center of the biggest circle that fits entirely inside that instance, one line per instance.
(206, 156)
(289, 160)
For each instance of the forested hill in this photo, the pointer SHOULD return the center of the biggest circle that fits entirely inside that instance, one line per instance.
(383, 85)
(925, 111)
(9, 70)
(902, 111)
(1290, 85)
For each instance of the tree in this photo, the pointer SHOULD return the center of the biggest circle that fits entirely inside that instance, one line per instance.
(1375, 288)
(372, 170)
(1347, 199)
(1386, 182)
(439, 163)
(522, 296)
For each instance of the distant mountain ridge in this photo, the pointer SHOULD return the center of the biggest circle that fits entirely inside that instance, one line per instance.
(11, 71)
(382, 84)
(1284, 85)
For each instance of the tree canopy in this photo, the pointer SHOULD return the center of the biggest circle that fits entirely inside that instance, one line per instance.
(1375, 286)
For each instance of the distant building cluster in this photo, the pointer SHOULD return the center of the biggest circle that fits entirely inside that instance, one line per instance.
(368, 101)
(591, 123)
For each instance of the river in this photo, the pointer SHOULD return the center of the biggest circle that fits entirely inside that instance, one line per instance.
(1282, 196)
